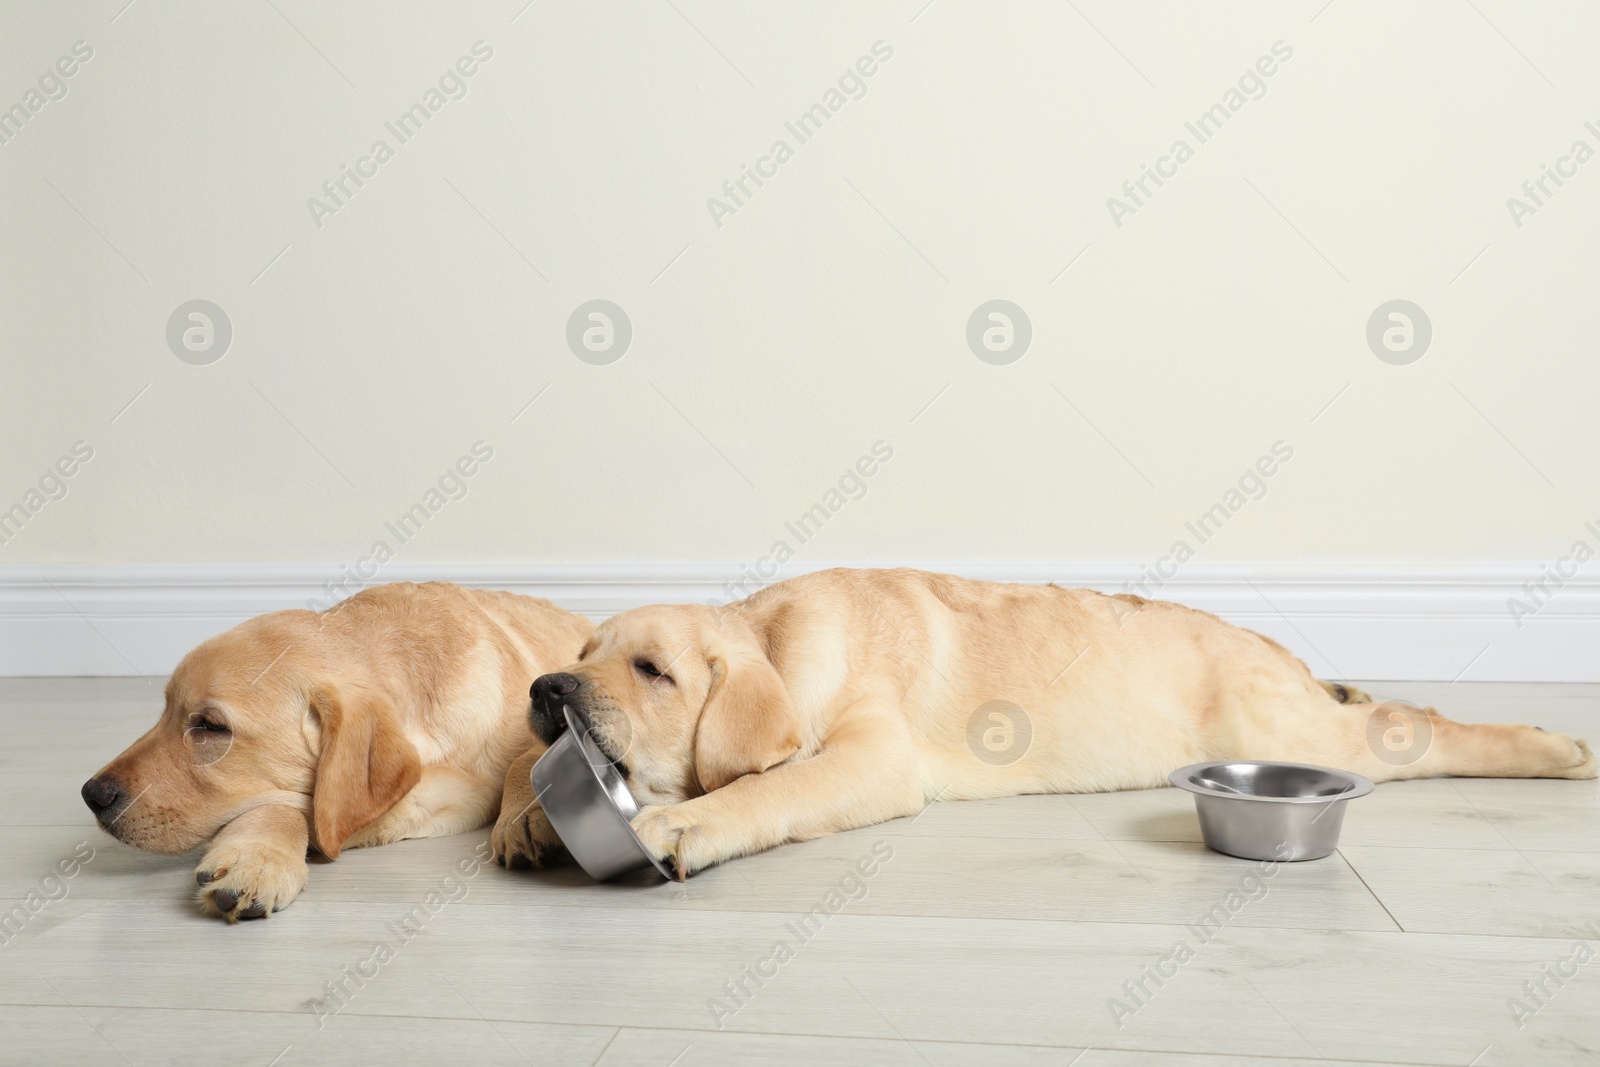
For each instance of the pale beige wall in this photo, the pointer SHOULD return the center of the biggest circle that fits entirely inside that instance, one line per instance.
(770, 352)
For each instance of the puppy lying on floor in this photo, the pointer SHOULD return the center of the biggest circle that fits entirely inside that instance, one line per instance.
(848, 697)
(394, 714)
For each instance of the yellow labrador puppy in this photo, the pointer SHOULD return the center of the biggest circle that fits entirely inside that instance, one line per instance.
(848, 697)
(393, 715)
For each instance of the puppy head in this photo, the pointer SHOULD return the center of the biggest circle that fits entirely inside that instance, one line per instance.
(681, 704)
(266, 713)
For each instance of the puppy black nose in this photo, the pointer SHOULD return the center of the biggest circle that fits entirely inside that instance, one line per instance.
(101, 794)
(554, 686)
(549, 693)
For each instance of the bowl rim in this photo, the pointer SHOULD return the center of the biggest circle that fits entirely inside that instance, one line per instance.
(577, 729)
(1360, 784)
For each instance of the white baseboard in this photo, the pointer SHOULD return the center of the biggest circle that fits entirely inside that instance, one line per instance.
(1431, 625)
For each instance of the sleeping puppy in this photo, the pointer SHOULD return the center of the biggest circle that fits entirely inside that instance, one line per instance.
(848, 697)
(394, 714)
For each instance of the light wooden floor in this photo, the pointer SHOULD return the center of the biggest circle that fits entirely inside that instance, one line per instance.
(997, 933)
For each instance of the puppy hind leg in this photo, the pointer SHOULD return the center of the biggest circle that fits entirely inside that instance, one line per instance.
(1402, 741)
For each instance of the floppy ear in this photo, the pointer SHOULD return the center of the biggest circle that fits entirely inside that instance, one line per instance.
(366, 765)
(748, 723)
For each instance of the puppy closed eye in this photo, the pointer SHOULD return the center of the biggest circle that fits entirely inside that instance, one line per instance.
(645, 667)
(207, 724)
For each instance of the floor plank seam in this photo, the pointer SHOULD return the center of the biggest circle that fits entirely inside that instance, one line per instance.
(1397, 924)
(486, 1019)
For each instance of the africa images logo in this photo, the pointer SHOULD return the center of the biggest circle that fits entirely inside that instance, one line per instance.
(1251, 85)
(851, 85)
(451, 85)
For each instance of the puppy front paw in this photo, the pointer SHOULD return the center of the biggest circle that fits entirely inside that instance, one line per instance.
(249, 880)
(674, 836)
(524, 839)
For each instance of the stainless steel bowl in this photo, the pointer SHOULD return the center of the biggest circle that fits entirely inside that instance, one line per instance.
(1270, 811)
(589, 805)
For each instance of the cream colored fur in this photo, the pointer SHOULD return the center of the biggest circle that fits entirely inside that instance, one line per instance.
(393, 715)
(848, 697)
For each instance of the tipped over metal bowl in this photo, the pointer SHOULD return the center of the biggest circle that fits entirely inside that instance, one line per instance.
(588, 803)
(1261, 810)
